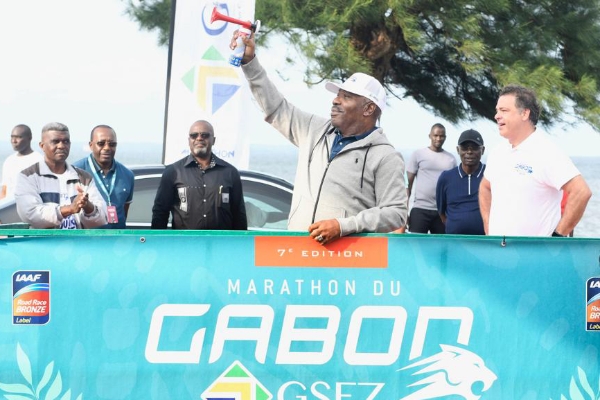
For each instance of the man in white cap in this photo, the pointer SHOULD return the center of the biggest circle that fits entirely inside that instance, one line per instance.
(349, 178)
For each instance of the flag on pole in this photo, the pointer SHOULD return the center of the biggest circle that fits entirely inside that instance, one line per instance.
(202, 85)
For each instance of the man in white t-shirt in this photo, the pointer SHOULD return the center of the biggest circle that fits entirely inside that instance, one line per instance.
(20, 139)
(525, 177)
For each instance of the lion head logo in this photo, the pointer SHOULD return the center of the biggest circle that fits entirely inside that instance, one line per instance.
(453, 371)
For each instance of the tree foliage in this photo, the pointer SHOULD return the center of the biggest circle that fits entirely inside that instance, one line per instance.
(451, 57)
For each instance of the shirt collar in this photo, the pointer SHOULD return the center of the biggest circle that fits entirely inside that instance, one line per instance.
(191, 161)
(98, 167)
(462, 174)
(529, 142)
(355, 137)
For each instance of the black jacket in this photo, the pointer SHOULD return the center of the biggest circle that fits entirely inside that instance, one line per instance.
(200, 199)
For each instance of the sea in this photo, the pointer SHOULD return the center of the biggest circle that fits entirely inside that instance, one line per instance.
(280, 161)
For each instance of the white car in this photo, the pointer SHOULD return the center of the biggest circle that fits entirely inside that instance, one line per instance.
(266, 195)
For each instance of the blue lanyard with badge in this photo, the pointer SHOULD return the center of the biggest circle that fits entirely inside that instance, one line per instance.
(111, 210)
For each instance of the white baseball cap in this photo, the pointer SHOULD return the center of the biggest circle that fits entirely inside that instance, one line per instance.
(362, 85)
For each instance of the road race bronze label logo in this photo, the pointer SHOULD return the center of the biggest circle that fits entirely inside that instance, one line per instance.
(31, 297)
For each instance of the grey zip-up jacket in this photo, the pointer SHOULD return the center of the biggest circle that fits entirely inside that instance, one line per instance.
(362, 187)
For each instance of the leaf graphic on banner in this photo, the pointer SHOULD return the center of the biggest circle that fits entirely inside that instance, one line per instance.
(18, 391)
(45, 378)
(24, 364)
(574, 391)
(55, 388)
(584, 382)
(16, 388)
(16, 397)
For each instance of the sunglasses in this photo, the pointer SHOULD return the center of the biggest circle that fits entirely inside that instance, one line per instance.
(103, 143)
(203, 135)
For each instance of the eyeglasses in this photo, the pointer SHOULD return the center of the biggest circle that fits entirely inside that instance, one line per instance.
(103, 143)
(203, 135)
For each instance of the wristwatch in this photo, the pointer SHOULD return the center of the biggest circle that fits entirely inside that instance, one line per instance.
(556, 234)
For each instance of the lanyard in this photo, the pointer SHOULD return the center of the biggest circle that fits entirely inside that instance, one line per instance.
(100, 181)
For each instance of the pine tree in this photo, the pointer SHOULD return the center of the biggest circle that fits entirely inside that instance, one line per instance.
(451, 57)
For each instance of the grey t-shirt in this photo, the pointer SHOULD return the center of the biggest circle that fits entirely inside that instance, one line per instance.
(428, 165)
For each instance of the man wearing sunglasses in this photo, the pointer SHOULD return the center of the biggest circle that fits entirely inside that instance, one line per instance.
(113, 179)
(200, 191)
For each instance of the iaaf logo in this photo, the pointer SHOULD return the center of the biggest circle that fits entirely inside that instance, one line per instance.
(454, 371)
(27, 277)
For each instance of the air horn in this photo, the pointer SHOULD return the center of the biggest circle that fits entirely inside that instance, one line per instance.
(217, 16)
(245, 30)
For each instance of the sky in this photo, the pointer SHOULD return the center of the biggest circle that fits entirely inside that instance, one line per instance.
(84, 62)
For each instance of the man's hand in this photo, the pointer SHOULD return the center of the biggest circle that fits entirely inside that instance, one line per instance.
(82, 201)
(325, 231)
(250, 46)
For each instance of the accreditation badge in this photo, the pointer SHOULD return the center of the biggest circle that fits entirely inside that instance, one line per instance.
(112, 214)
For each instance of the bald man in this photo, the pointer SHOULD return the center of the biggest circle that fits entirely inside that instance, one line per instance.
(24, 156)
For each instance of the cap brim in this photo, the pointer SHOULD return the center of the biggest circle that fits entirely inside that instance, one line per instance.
(333, 87)
(470, 140)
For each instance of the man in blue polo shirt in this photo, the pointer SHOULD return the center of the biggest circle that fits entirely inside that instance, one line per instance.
(113, 179)
(457, 190)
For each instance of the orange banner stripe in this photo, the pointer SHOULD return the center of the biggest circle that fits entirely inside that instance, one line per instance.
(303, 251)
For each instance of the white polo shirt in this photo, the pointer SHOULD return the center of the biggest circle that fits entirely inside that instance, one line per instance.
(526, 184)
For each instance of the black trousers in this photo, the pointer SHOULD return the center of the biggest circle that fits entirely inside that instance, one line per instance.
(425, 221)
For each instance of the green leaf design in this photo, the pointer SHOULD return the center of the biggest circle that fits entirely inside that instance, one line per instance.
(574, 391)
(584, 383)
(16, 388)
(67, 395)
(55, 388)
(45, 379)
(24, 364)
